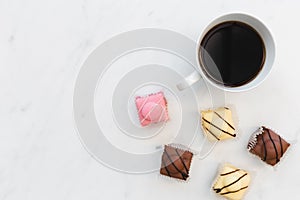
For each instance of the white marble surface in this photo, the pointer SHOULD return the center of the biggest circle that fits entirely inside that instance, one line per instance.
(43, 44)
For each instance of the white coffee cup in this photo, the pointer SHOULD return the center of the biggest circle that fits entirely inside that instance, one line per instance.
(266, 68)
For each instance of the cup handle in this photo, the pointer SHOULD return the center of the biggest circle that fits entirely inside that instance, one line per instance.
(189, 80)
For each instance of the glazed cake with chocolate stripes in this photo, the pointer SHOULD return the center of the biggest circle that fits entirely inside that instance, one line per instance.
(218, 124)
(232, 182)
(152, 108)
(267, 145)
(176, 163)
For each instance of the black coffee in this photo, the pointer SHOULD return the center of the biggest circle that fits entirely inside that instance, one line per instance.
(232, 53)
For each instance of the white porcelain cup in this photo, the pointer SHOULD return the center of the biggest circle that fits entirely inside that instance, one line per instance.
(266, 68)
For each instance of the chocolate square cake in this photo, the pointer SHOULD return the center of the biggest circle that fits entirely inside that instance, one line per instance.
(267, 145)
(176, 163)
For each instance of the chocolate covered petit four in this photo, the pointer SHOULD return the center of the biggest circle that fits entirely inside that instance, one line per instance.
(176, 162)
(267, 145)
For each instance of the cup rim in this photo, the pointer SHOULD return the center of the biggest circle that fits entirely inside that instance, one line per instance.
(249, 85)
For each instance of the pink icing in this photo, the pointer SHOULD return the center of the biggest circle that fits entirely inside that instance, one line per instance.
(152, 111)
(152, 108)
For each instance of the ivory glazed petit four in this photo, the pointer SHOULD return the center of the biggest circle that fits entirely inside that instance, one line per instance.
(232, 182)
(218, 124)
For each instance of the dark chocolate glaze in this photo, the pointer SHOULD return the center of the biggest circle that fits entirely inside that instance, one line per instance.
(268, 145)
(165, 167)
(265, 148)
(185, 167)
(183, 174)
(176, 163)
(281, 148)
(218, 190)
(225, 174)
(275, 148)
(234, 191)
(233, 135)
(224, 120)
(212, 133)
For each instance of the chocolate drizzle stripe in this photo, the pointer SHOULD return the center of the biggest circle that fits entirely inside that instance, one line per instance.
(275, 148)
(280, 142)
(185, 167)
(233, 135)
(265, 148)
(230, 172)
(184, 175)
(165, 167)
(229, 192)
(212, 133)
(224, 120)
(218, 190)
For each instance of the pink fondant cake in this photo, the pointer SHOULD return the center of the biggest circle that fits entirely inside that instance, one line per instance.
(152, 108)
